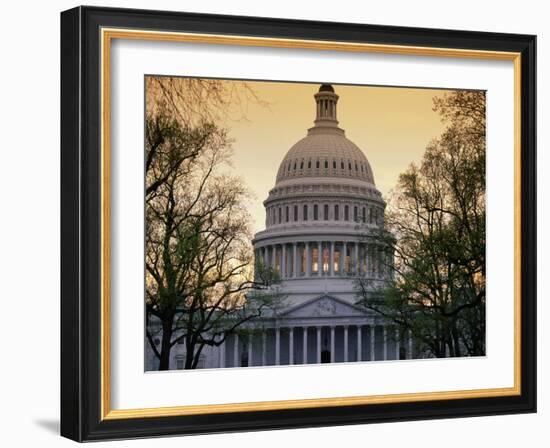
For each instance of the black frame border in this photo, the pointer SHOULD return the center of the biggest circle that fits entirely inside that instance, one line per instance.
(81, 223)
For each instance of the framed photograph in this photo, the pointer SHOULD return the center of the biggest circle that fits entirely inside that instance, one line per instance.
(272, 223)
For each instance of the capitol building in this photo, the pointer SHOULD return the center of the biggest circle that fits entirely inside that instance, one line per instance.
(322, 216)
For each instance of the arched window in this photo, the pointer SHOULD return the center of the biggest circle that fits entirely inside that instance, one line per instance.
(302, 165)
(295, 213)
(326, 164)
(294, 166)
(364, 217)
(336, 213)
(325, 212)
(305, 213)
(342, 164)
(317, 164)
(349, 165)
(315, 212)
(309, 163)
(355, 217)
(334, 164)
(346, 212)
(287, 214)
(280, 215)
(370, 215)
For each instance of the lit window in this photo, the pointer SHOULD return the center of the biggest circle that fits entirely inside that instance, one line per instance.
(326, 260)
(315, 260)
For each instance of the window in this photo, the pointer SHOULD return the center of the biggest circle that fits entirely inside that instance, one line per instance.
(370, 215)
(317, 164)
(364, 217)
(315, 260)
(326, 164)
(302, 165)
(287, 214)
(355, 217)
(304, 261)
(179, 362)
(315, 212)
(294, 166)
(325, 212)
(295, 213)
(342, 165)
(280, 215)
(336, 212)
(309, 164)
(326, 259)
(305, 213)
(346, 213)
(349, 166)
(334, 164)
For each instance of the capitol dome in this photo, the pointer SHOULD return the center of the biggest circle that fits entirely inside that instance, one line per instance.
(325, 151)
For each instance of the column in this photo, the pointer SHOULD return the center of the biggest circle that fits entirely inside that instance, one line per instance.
(222, 351)
(264, 348)
(291, 346)
(277, 346)
(294, 260)
(318, 345)
(359, 344)
(346, 343)
(283, 261)
(273, 256)
(236, 351)
(331, 259)
(356, 259)
(250, 350)
(332, 344)
(385, 343)
(305, 345)
(372, 347)
(308, 261)
(410, 350)
(320, 258)
(397, 344)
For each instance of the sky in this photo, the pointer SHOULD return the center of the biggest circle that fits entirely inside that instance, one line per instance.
(391, 125)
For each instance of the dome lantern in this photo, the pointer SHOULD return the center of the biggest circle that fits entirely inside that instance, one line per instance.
(326, 100)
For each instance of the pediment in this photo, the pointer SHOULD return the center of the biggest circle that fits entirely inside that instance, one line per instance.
(324, 306)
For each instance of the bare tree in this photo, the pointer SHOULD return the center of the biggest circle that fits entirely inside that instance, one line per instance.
(200, 283)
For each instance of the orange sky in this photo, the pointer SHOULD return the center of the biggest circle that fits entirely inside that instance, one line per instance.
(391, 125)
